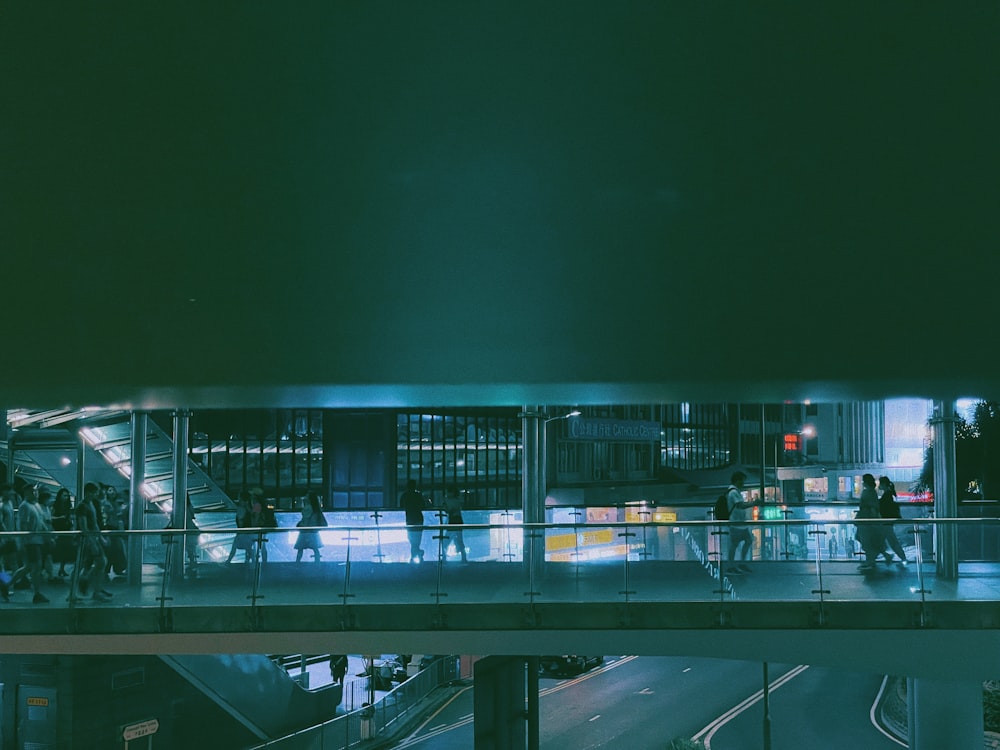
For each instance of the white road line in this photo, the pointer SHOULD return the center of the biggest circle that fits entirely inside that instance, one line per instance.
(706, 734)
(468, 718)
(586, 676)
(874, 720)
(442, 708)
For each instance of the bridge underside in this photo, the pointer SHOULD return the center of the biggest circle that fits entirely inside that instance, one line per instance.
(653, 607)
(944, 639)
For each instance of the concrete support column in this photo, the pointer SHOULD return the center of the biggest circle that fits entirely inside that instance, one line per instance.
(137, 501)
(944, 713)
(500, 720)
(943, 422)
(178, 515)
(531, 687)
(532, 508)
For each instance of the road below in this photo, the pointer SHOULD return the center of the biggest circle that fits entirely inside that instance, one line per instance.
(640, 703)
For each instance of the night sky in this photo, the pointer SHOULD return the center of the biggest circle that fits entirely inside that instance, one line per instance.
(491, 194)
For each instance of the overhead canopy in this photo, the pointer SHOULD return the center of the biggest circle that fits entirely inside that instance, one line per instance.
(456, 203)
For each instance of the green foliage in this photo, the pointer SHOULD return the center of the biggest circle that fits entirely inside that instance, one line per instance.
(682, 743)
(991, 706)
(977, 456)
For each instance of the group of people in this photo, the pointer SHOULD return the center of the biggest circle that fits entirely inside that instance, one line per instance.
(30, 559)
(876, 539)
(252, 512)
(879, 539)
(414, 503)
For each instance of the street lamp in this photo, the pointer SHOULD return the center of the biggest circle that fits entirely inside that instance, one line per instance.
(544, 458)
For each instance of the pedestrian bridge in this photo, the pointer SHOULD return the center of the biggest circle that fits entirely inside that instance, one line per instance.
(656, 588)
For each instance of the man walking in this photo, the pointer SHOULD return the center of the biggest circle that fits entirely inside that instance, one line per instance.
(738, 533)
(414, 504)
(31, 518)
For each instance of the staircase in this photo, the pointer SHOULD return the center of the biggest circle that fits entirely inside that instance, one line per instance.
(47, 444)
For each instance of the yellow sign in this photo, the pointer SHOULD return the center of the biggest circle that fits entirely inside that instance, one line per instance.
(645, 515)
(587, 538)
(559, 541)
(38, 701)
(605, 536)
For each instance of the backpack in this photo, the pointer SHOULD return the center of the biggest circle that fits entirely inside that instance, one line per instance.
(722, 506)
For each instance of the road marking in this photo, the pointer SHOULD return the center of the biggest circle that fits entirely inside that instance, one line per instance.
(586, 676)
(595, 717)
(434, 715)
(871, 714)
(706, 734)
(468, 718)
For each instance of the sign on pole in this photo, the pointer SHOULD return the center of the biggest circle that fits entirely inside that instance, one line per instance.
(140, 729)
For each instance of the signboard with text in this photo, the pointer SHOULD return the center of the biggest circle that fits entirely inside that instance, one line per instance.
(140, 729)
(618, 430)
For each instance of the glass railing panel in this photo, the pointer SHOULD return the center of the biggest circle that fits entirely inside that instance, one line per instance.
(792, 560)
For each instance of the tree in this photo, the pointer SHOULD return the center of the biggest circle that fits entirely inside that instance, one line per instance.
(977, 455)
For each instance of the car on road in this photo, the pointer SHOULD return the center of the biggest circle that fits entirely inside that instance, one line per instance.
(567, 664)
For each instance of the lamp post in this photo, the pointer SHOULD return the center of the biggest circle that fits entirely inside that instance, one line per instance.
(536, 557)
(543, 476)
(535, 477)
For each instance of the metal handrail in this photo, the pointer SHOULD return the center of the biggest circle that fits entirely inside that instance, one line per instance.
(370, 722)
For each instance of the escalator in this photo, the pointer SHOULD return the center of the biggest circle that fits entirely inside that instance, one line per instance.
(57, 447)
(257, 692)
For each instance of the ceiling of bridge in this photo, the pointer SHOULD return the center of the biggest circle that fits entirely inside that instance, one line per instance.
(450, 203)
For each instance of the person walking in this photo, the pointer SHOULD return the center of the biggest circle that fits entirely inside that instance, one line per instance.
(261, 518)
(889, 508)
(62, 520)
(738, 532)
(312, 516)
(93, 557)
(453, 507)
(242, 540)
(31, 518)
(414, 504)
(871, 536)
(338, 668)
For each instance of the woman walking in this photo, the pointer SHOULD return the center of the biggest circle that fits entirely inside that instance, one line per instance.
(312, 516)
(889, 508)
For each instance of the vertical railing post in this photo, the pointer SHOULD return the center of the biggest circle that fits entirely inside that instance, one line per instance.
(136, 500)
(533, 510)
(178, 515)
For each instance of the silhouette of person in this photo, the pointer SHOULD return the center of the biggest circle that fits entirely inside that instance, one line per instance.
(738, 533)
(312, 515)
(414, 504)
(242, 540)
(453, 501)
(338, 667)
(871, 536)
(888, 508)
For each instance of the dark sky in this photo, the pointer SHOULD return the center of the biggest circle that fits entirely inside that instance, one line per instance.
(483, 193)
